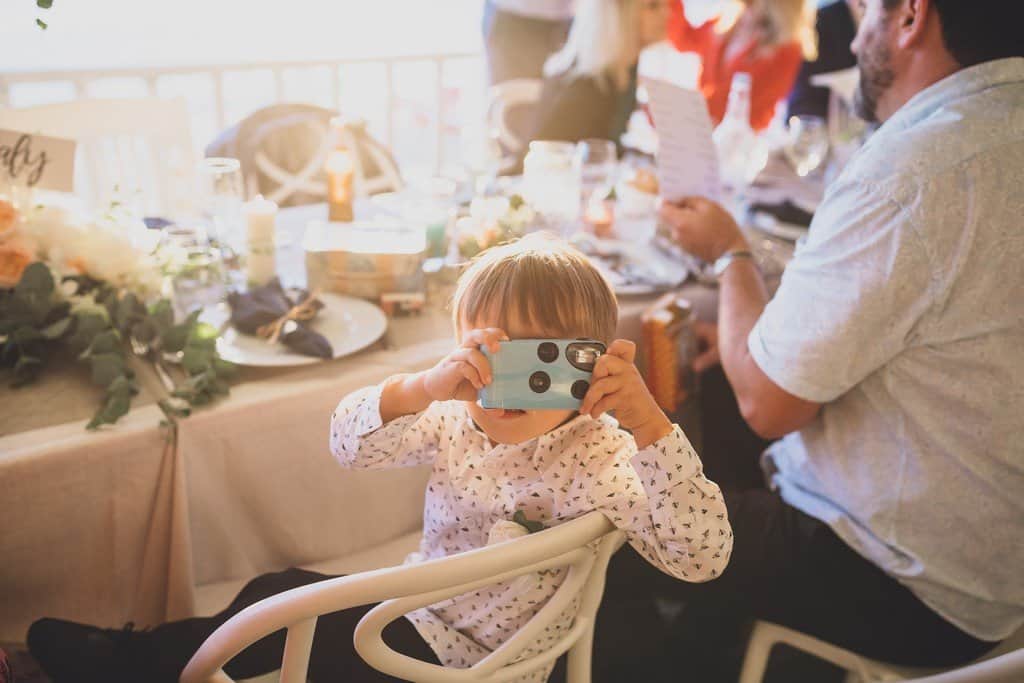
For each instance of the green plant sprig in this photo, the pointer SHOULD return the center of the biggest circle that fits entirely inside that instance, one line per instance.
(101, 327)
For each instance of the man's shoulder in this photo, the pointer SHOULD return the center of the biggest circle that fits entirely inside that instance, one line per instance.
(902, 161)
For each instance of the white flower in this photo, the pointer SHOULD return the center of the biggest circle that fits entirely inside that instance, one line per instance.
(101, 249)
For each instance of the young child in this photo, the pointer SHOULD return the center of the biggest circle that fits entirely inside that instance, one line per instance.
(487, 466)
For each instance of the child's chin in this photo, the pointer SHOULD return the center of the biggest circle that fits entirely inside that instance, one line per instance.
(507, 414)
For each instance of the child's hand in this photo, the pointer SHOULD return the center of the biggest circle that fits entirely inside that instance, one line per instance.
(617, 385)
(464, 371)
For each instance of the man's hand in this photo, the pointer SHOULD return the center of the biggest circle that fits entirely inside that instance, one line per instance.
(707, 346)
(617, 385)
(702, 227)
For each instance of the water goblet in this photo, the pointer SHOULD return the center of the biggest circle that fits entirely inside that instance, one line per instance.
(807, 144)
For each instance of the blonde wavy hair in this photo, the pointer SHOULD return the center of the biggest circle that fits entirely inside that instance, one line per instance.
(603, 43)
(781, 22)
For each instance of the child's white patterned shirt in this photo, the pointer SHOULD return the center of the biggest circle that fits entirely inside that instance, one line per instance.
(672, 515)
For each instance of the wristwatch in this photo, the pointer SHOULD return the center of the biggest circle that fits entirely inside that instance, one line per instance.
(726, 259)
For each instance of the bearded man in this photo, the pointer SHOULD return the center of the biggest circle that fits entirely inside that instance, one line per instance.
(889, 366)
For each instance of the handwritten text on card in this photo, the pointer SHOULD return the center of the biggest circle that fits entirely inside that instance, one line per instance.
(37, 161)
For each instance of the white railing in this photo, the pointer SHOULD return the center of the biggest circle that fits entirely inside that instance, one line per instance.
(407, 100)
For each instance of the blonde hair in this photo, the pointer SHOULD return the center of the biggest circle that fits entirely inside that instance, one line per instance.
(541, 280)
(787, 21)
(603, 43)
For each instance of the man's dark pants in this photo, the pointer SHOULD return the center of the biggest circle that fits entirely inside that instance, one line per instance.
(786, 567)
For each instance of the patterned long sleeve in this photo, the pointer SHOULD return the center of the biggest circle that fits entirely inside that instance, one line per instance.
(360, 439)
(672, 514)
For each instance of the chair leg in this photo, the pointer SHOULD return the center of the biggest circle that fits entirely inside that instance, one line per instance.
(297, 646)
(579, 659)
(755, 661)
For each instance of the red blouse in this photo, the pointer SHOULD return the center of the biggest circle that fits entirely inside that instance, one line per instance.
(772, 75)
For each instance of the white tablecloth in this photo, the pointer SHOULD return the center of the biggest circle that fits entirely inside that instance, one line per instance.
(124, 525)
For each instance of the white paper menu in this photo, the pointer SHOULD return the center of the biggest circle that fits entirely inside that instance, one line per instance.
(687, 160)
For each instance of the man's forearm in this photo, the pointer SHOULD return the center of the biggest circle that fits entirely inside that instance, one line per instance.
(742, 298)
(770, 410)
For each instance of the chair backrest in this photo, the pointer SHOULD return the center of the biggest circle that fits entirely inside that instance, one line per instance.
(402, 589)
(282, 149)
(505, 98)
(138, 151)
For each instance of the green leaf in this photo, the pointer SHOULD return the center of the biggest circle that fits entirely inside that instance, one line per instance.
(196, 360)
(224, 368)
(175, 338)
(520, 518)
(103, 343)
(56, 329)
(162, 315)
(114, 407)
(42, 24)
(87, 325)
(145, 330)
(44, 4)
(36, 280)
(128, 310)
(106, 368)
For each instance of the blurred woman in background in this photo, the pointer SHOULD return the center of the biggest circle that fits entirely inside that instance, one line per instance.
(769, 39)
(590, 84)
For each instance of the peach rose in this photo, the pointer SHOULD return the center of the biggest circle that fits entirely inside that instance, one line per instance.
(8, 219)
(15, 256)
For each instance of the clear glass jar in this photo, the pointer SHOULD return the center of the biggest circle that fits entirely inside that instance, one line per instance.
(551, 184)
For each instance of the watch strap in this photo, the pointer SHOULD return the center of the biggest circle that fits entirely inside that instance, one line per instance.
(726, 259)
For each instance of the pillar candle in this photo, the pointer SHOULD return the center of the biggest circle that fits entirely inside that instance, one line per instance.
(260, 219)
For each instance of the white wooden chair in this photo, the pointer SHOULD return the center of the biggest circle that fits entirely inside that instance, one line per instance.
(1004, 664)
(400, 590)
(138, 151)
(282, 149)
(502, 100)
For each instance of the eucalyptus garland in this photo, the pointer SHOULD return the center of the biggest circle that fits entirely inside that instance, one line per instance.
(102, 326)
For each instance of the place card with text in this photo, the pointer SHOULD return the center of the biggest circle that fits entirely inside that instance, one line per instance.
(37, 161)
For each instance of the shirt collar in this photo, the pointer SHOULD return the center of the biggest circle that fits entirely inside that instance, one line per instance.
(964, 83)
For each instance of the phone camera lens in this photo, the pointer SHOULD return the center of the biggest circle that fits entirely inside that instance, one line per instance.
(548, 352)
(540, 382)
(580, 388)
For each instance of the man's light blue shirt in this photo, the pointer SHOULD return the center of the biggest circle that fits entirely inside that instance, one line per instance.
(904, 315)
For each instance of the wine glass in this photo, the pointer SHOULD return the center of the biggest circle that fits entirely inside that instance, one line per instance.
(220, 204)
(597, 161)
(807, 143)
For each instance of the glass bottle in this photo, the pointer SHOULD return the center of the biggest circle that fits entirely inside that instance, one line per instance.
(741, 153)
(340, 169)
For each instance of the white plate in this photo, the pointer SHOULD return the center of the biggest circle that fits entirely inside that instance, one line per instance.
(349, 324)
(767, 223)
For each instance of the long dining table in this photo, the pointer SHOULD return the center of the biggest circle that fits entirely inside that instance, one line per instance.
(129, 522)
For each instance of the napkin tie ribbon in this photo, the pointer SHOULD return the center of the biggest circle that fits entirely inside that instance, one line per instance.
(301, 312)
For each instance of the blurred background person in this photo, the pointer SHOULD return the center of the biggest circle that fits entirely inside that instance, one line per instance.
(769, 39)
(590, 84)
(519, 35)
(836, 27)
